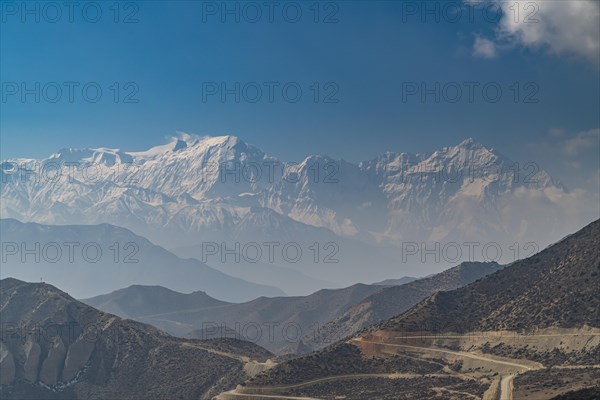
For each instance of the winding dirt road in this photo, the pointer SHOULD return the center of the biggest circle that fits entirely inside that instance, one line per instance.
(456, 353)
(506, 387)
(263, 396)
(506, 384)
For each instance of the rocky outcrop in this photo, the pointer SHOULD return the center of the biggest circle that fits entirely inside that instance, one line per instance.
(53, 364)
(31, 367)
(77, 357)
(7, 365)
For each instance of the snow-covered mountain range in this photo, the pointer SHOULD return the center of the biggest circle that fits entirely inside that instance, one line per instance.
(196, 190)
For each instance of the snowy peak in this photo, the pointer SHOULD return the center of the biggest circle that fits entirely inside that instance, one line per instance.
(174, 145)
(227, 141)
(470, 143)
(71, 155)
(468, 151)
(200, 188)
(227, 148)
(100, 156)
(111, 157)
(208, 149)
(188, 144)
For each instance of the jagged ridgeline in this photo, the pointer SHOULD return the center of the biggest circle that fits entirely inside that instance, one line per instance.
(214, 189)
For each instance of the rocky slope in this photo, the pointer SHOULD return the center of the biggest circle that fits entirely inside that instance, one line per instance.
(557, 287)
(394, 300)
(536, 320)
(54, 347)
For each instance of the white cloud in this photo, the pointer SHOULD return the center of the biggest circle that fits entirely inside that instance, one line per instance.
(589, 140)
(561, 27)
(484, 48)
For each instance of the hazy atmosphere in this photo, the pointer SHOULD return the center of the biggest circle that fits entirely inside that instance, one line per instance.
(300, 200)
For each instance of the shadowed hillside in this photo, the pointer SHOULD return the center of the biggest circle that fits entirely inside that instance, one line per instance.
(394, 300)
(55, 347)
(530, 330)
(557, 287)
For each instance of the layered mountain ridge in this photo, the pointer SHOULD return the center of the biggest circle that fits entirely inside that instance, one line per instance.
(89, 260)
(282, 325)
(54, 347)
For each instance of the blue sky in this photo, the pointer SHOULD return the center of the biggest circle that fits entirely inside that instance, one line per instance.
(176, 50)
